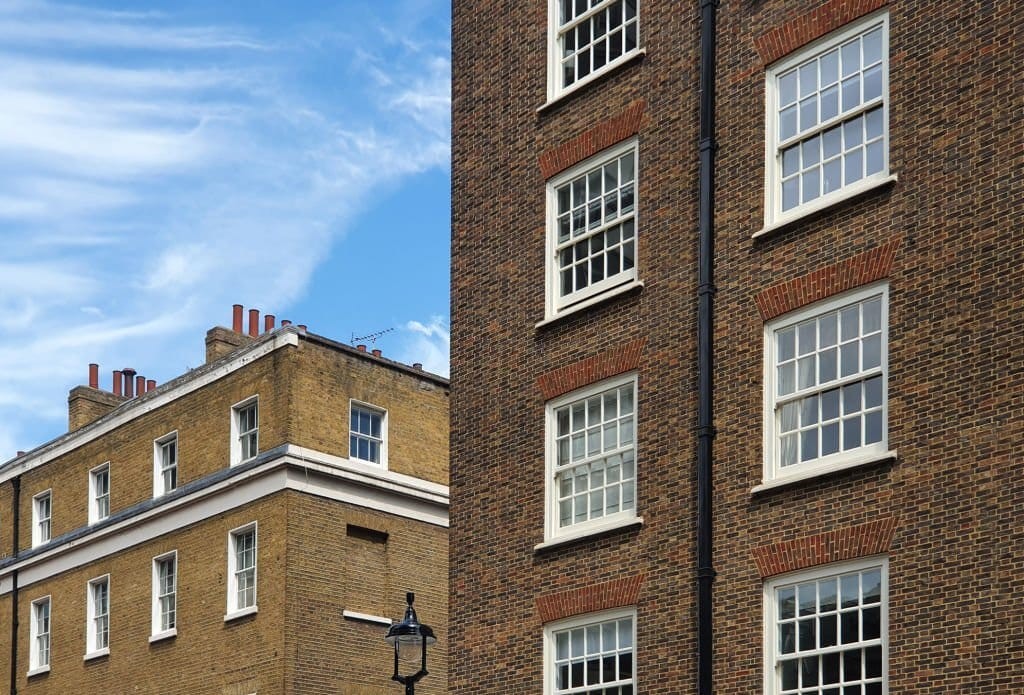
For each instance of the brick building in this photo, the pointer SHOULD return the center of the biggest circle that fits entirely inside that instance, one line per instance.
(868, 343)
(248, 527)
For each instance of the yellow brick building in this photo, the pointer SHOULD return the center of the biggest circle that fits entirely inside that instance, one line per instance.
(248, 527)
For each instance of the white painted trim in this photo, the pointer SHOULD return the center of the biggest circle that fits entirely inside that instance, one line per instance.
(363, 405)
(774, 216)
(554, 305)
(156, 614)
(773, 474)
(233, 610)
(38, 671)
(235, 615)
(554, 91)
(136, 408)
(94, 516)
(812, 574)
(37, 538)
(33, 647)
(583, 620)
(597, 529)
(90, 615)
(587, 303)
(366, 617)
(853, 190)
(553, 535)
(161, 636)
(159, 490)
(96, 654)
(305, 470)
(818, 471)
(236, 442)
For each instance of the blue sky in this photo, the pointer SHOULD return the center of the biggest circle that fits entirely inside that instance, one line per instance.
(161, 161)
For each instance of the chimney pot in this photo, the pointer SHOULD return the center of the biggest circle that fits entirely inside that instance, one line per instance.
(140, 385)
(129, 377)
(302, 328)
(21, 453)
(285, 322)
(268, 323)
(254, 323)
(117, 383)
(150, 385)
(417, 365)
(236, 318)
(361, 348)
(94, 375)
(376, 353)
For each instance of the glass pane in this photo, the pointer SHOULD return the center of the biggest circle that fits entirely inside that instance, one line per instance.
(829, 103)
(873, 46)
(786, 341)
(872, 580)
(827, 630)
(874, 157)
(787, 123)
(873, 83)
(786, 599)
(851, 433)
(849, 629)
(789, 674)
(830, 439)
(851, 92)
(872, 623)
(850, 57)
(829, 67)
(849, 590)
(808, 445)
(873, 123)
(787, 88)
(807, 636)
(790, 193)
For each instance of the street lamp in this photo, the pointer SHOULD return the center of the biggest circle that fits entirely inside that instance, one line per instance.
(410, 639)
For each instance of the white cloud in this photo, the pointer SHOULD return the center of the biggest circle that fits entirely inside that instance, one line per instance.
(157, 171)
(429, 344)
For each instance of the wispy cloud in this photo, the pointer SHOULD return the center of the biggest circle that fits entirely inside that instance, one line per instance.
(429, 343)
(154, 168)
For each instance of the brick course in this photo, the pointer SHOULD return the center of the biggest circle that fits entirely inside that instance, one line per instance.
(946, 237)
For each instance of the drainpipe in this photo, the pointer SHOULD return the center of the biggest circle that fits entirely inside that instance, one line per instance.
(16, 522)
(705, 347)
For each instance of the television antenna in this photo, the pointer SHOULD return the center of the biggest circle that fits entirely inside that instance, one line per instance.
(372, 337)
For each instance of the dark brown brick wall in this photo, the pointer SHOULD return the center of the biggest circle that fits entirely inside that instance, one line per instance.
(952, 228)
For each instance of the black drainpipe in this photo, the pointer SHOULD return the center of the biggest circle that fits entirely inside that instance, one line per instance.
(15, 521)
(705, 347)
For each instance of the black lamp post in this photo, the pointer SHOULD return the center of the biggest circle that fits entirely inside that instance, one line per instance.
(410, 639)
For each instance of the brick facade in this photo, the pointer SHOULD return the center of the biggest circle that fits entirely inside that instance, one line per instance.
(302, 492)
(945, 238)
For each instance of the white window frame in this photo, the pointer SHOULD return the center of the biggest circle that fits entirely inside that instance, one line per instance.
(555, 43)
(237, 434)
(772, 657)
(42, 527)
(234, 610)
(552, 629)
(158, 630)
(774, 472)
(553, 532)
(382, 442)
(160, 444)
(38, 658)
(97, 624)
(774, 214)
(98, 500)
(556, 304)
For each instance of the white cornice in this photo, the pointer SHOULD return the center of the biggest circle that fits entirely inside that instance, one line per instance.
(294, 468)
(130, 410)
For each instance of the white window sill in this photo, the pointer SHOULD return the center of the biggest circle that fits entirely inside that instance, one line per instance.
(38, 671)
(580, 84)
(589, 530)
(166, 634)
(825, 202)
(819, 471)
(365, 618)
(96, 654)
(591, 301)
(235, 615)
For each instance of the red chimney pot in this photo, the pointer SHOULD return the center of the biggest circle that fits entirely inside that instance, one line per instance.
(268, 323)
(117, 383)
(417, 365)
(94, 375)
(150, 385)
(254, 323)
(285, 322)
(376, 353)
(236, 318)
(140, 385)
(361, 348)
